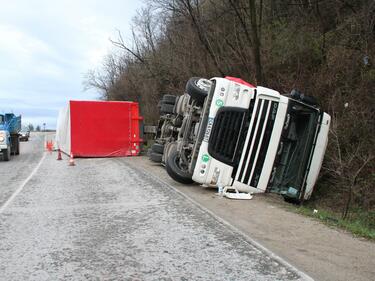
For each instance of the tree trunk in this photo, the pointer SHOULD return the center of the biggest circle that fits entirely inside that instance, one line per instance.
(256, 42)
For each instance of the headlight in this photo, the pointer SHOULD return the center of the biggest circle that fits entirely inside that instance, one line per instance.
(2, 138)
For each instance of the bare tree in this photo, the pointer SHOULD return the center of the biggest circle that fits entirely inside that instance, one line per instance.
(105, 78)
(251, 30)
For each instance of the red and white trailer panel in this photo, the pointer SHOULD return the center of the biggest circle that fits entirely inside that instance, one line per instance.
(99, 129)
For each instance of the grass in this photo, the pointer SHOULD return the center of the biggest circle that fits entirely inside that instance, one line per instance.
(360, 223)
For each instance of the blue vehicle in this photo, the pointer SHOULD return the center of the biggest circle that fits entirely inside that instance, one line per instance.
(10, 126)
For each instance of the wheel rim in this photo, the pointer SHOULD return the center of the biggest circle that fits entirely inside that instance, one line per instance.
(177, 161)
(203, 84)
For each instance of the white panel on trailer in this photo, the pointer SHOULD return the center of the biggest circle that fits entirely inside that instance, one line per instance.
(63, 138)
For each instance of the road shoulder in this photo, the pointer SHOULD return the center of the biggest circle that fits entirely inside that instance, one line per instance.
(322, 252)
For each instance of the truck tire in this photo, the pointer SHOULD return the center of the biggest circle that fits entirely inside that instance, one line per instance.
(6, 154)
(174, 169)
(156, 157)
(169, 99)
(166, 108)
(197, 88)
(176, 105)
(181, 104)
(158, 148)
(170, 147)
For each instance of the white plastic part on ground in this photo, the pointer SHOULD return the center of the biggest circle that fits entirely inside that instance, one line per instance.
(236, 194)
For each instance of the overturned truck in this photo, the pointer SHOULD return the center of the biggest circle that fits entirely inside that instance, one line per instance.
(247, 139)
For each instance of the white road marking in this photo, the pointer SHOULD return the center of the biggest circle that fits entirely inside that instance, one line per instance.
(11, 198)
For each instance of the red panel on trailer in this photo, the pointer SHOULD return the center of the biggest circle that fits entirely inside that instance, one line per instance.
(104, 129)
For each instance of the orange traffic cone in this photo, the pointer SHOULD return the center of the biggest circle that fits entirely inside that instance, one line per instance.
(49, 146)
(71, 160)
(59, 154)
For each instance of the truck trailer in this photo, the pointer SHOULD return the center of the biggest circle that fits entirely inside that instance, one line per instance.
(10, 126)
(99, 129)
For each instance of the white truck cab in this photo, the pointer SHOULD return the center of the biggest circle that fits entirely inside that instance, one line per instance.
(257, 140)
(247, 139)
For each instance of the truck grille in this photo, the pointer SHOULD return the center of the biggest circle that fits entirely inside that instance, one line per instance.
(257, 142)
(225, 134)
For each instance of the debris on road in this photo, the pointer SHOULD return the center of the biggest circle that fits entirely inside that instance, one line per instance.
(229, 193)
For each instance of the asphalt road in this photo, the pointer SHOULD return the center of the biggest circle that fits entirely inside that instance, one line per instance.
(106, 220)
(16, 171)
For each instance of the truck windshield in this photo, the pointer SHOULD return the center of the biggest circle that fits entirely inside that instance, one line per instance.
(294, 149)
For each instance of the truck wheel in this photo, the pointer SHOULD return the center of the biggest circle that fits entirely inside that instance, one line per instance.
(170, 146)
(198, 88)
(181, 104)
(158, 148)
(166, 108)
(176, 105)
(169, 99)
(156, 157)
(6, 154)
(175, 170)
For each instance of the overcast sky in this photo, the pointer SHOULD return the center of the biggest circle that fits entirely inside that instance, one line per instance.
(46, 47)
